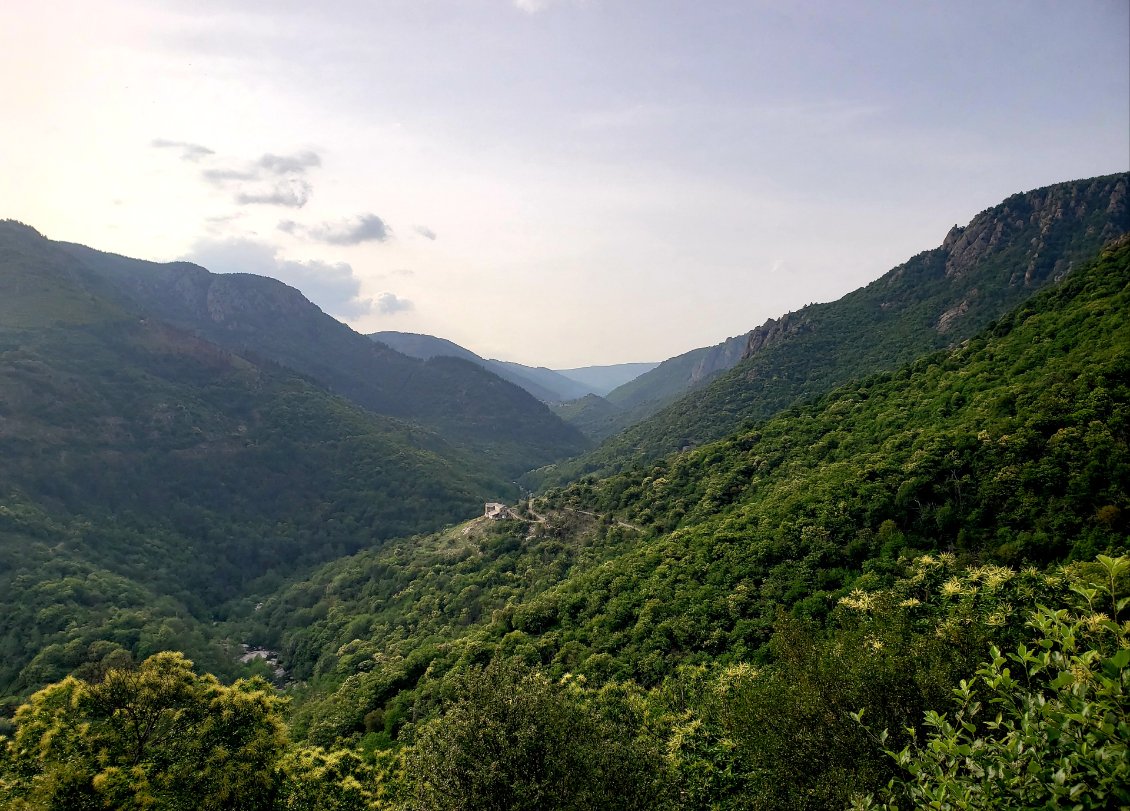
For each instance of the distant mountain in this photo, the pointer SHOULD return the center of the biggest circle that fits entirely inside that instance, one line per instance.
(672, 378)
(544, 384)
(265, 319)
(601, 380)
(936, 299)
(595, 416)
(564, 388)
(150, 475)
(656, 385)
(569, 393)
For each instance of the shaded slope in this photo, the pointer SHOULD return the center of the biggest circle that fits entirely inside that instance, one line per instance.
(163, 474)
(936, 299)
(263, 318)
(424, 347)
(593, 415)
(41, 286)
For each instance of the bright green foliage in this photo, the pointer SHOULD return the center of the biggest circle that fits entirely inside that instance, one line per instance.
(1045, 727)
(340, 780)
(782, 736)
(738, 737)
(513, 741)
(158, 736)
(1014, 448)
(698, 714)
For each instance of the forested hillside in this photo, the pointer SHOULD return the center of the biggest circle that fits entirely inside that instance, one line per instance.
(592, 415)
(150, 476)
(781, 618)
(857, 552)
(936, 299)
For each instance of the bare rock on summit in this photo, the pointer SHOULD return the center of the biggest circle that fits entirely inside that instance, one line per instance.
(1032, 221)
(718, 359)
(773, 331)
(935, 300)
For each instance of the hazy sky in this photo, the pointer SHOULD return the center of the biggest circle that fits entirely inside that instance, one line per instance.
(554, 182)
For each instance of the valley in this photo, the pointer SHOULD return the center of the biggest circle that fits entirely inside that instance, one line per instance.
(750, 576)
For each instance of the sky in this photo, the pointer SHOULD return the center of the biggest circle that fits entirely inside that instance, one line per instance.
(553, 182)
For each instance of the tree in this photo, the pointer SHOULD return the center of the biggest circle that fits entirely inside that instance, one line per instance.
(337, 780)
(514, 740)
(155, 735)
(1055, 735)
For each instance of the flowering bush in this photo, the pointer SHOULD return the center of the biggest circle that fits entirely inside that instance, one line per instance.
(1054, 735)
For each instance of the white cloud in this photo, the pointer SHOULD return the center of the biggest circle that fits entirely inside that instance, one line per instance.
(390, 303)
(274, 180)
(295, 164)
(293, 192)
(188, 151)
(219, 177)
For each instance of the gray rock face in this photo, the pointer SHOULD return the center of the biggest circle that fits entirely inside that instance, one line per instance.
(1040, 211)
(718, 359)
(773, 331)
(947, 319)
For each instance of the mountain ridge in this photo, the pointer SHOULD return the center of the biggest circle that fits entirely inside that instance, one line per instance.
(730, 609)
(553, 387)
(541, 383)
(935, 299)
(275, 322)
(602, 379)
